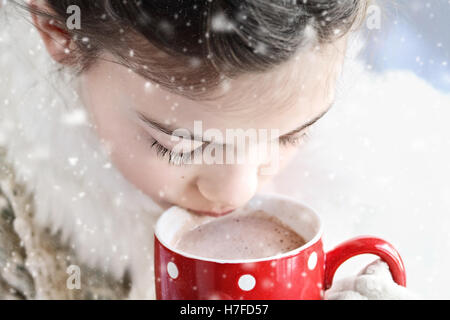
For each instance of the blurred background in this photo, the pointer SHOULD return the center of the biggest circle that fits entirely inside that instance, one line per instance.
(414, 35)
(379, 162)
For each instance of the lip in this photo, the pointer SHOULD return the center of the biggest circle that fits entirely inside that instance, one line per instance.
(211, 213)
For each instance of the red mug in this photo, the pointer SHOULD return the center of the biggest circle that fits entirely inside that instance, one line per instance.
(301, 274)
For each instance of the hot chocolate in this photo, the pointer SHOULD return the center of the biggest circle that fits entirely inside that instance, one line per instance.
(245, 236)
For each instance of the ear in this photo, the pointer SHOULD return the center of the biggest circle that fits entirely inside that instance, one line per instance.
(56, 40)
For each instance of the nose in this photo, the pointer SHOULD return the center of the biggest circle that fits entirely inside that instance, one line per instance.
(228, 186)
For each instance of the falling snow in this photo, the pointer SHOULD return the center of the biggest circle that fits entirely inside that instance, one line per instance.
(378, 165)
(220, 23)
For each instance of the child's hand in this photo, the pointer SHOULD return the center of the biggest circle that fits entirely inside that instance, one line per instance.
(374, 282)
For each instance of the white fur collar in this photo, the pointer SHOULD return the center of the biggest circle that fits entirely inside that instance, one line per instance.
(56, 153)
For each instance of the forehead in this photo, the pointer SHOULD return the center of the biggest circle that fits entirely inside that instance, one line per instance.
(284, 97)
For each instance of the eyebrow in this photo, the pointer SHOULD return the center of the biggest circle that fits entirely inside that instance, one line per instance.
(169, 130)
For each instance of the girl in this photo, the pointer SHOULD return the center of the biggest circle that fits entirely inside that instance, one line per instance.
(88, 157)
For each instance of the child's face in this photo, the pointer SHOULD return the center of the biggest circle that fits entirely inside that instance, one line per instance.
(284, 99)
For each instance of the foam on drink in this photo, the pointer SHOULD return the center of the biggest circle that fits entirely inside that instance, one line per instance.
(246, 236)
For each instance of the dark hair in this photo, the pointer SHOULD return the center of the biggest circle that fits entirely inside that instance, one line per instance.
(191, 45)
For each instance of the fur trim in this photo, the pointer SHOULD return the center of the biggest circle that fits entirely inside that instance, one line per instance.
(56, 153)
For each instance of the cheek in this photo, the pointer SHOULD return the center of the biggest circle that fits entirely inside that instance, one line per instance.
(286, 155)
(140, 166)
(131, 153)
(152, 176)
(130, 148)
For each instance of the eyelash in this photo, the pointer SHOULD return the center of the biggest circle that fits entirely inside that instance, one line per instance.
(175, 159)
(180, 159)
(295, 140)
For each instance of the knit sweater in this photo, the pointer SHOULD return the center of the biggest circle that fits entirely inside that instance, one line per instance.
(33, 261)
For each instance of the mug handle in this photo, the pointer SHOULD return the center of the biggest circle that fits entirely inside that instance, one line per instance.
(363, 245)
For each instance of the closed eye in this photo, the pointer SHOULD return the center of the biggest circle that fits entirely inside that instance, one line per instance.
(294, 140)
(174, 158)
